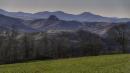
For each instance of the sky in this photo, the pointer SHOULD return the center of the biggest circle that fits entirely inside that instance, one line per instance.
(109, 8)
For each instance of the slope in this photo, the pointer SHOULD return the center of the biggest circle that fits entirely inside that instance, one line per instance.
(98, 64)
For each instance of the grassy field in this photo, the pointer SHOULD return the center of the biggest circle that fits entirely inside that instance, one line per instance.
(97, 64)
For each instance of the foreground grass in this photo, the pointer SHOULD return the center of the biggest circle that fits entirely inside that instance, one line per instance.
(99, 64)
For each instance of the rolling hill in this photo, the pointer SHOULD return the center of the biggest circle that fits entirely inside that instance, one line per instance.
(95, 64)
(9, 23)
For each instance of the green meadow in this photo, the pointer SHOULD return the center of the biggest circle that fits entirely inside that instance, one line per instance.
(92, 64)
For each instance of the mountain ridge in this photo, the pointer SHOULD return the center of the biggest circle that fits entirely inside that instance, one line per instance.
(9, 23)
(82, 17)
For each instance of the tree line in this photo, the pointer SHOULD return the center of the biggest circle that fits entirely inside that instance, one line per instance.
(23, 46)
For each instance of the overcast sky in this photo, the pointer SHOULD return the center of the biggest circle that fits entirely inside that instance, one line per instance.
(111, 8)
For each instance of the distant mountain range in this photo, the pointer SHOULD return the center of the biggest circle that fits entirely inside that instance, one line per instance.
(54, 22)
(83, 17)
(9, 23)
(51, 25)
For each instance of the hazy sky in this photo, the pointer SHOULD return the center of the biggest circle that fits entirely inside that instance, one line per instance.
(111, 8)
